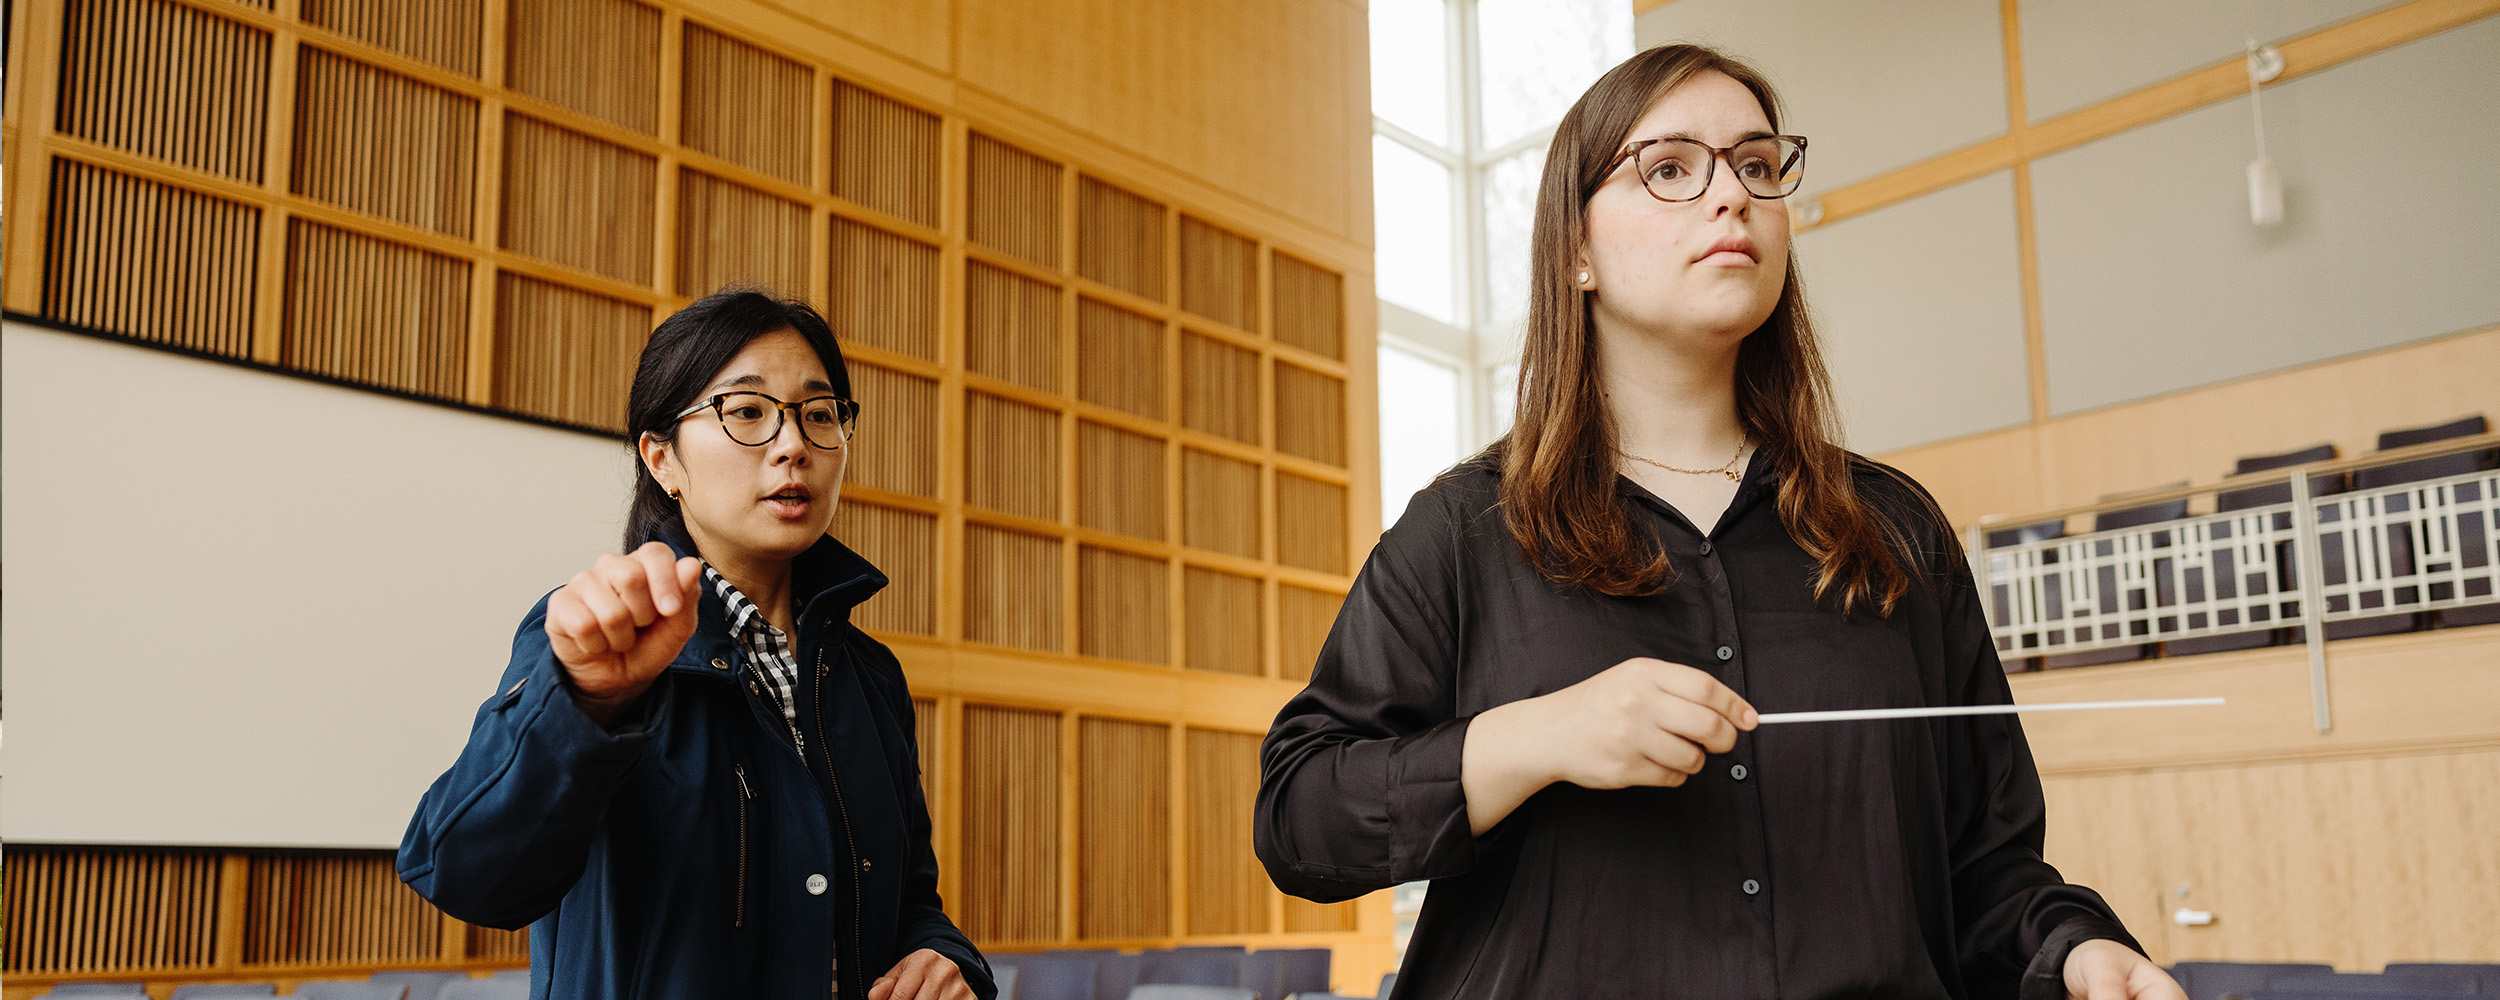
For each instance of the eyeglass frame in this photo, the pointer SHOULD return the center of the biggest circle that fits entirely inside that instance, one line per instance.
(845, 415)
(1710, 167)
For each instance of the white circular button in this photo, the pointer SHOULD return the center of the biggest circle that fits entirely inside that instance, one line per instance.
(815, 885)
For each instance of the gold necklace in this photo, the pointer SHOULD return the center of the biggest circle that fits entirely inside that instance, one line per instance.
(1728, 470)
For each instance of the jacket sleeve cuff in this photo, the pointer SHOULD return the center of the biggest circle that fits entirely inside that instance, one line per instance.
(2046, 978)
(1428, 802)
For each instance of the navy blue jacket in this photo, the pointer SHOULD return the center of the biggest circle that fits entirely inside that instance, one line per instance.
(673, 857)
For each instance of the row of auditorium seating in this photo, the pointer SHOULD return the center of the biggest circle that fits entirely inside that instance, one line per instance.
(2372, 477)
(507, 984)
(2278, 981)
(1204, 972)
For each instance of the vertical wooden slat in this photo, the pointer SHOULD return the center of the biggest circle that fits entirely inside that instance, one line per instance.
(896, 447)
(1220, 503)
(885, 154)
(1223, 621)
(1014, 201)
(1011, 327)
(1310, 414)
(446, 33)
(598, 57)
(904, 544)
(1123, 606)
(1125, 841)
(1012, 824)
(1012, 589)
(1225, 880)
(1310, 523)
(1307, 615)
(883, 290)
(1219, 274)
(577, 201)
(746, 105)
(1120, 239)
(1308, 306)
(1011, 456)
(1219, 388)
(1119, 480)
(1119, 359)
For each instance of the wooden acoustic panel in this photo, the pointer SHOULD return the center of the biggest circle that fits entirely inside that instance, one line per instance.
(365, 310)
(1011, 456)
(1119, 239)
(1119, 485)
(904, 544)
(1309, 307)
(502, 945)
(597, 57)
(1219, 274)
(1119, 359)
(166, 80)
(1304, 617)
(443, 32)
(730, 235)
(101, 910)
(746, 105)
(1310, 523)
(1125, 842)
(1123, 606)
(886, 154)
(1310, 414)
(577, 201)
(1011, 327)
(563, 354)
(1219, 388)
(1223, 622)
(896, 446)
(926, 741)
(1219, 503)
(384, 145)
(1011, 589)
(884, 291)
(336, 908)
(1013, 201)
(1010, 825)
(150, 261)
(1228, 890)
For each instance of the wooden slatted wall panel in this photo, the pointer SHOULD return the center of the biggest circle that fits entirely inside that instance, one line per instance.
(1310, 306)
(1011, 588)
(1228, 890)
(1125, 844)
(1123, 606)
(1310, 523)
(902, 543)
(597, 57)
(96, 910)
(1011, 456)
(1219, 388)
(1304, 617)
(442, 32)
(886, 154)
(1305, 917)
(896, 446)
(1119, 239)
(1310, 414)
(1222, 623)
(374, 312)
(335, 909)
(1013, 201)
(488, 942)
(1219, 503)
(564, 354)
(1119, 359)
(1011, 327)
(884, 290)
(730, 234)
(150, 261)
(384, 145)
(1011, 825)
(926, 739)
(747, 106)
(1119, 484)
(1219, 274)
(165, 80)
(577, 201)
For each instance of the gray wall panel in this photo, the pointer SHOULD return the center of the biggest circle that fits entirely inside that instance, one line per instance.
(1920, 311)
(2077, 52)
(2152, 278)
(1875, 84)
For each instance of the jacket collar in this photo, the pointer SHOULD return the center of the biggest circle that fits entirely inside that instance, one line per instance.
(826, 582)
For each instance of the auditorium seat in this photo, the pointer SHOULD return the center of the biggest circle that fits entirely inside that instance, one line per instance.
(2339, 993)
(1115, 973)
(485, 989)
(1386, 981)
(2377, 984)
(1051, 975)
(2414, 471)
(1191, 967)
(2111, 520)
(422, 984)
(2287, 579)
(223, 991)
(97, 991)
(1005, 977)
(2214, 980)
(350, 989)
(1284, 972)
(1189, 991)
(2486, 975)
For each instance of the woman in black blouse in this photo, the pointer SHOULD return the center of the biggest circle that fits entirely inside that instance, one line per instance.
(1541, 693)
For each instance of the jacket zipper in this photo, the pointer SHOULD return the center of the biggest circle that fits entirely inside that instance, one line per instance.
(746, 793)
(849, 841)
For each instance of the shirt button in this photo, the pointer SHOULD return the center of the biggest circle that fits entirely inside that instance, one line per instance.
(816, 885)
(1752, 887)
(1726, 654)
(1737, 772)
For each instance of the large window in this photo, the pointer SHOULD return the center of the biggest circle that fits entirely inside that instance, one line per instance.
(1465, 95)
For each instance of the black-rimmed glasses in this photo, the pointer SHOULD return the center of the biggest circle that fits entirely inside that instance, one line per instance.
(1678, 169)
(754, 419)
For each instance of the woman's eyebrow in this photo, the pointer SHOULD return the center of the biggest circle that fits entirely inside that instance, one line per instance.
(1747, 137)
(811, 385)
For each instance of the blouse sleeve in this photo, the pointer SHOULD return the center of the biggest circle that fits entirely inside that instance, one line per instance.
(1359, 776)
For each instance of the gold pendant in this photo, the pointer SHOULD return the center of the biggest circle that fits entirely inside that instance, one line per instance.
(1735, 476)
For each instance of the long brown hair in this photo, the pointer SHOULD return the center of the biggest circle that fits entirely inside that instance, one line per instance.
(1558, 462)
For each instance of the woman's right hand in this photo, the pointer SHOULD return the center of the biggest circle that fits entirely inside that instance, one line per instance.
(617, 625)
(1640, 722)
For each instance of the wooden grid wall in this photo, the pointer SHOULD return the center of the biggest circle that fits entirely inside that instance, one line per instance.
(1100, 428)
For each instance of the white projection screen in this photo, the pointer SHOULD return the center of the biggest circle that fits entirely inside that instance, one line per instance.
(253, 610)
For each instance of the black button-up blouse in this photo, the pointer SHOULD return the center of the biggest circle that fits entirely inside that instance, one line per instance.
(1831, 859)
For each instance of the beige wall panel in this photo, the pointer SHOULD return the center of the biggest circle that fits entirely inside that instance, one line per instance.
(1938, 85)
(2152, 278)
(2074, 460)
(1144, 75)
(2076, 52)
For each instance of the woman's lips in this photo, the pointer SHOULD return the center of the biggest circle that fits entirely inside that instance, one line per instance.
(1728, 258)
(787, 508)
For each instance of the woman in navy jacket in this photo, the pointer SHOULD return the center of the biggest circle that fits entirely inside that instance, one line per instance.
(699, 779)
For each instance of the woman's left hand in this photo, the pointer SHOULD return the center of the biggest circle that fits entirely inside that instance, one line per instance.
(927, 975)
(2102, 969)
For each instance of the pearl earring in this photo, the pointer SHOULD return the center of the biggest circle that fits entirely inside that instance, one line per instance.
(1584, 277)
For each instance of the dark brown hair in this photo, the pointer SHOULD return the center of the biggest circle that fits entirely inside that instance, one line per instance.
(1558, 464)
